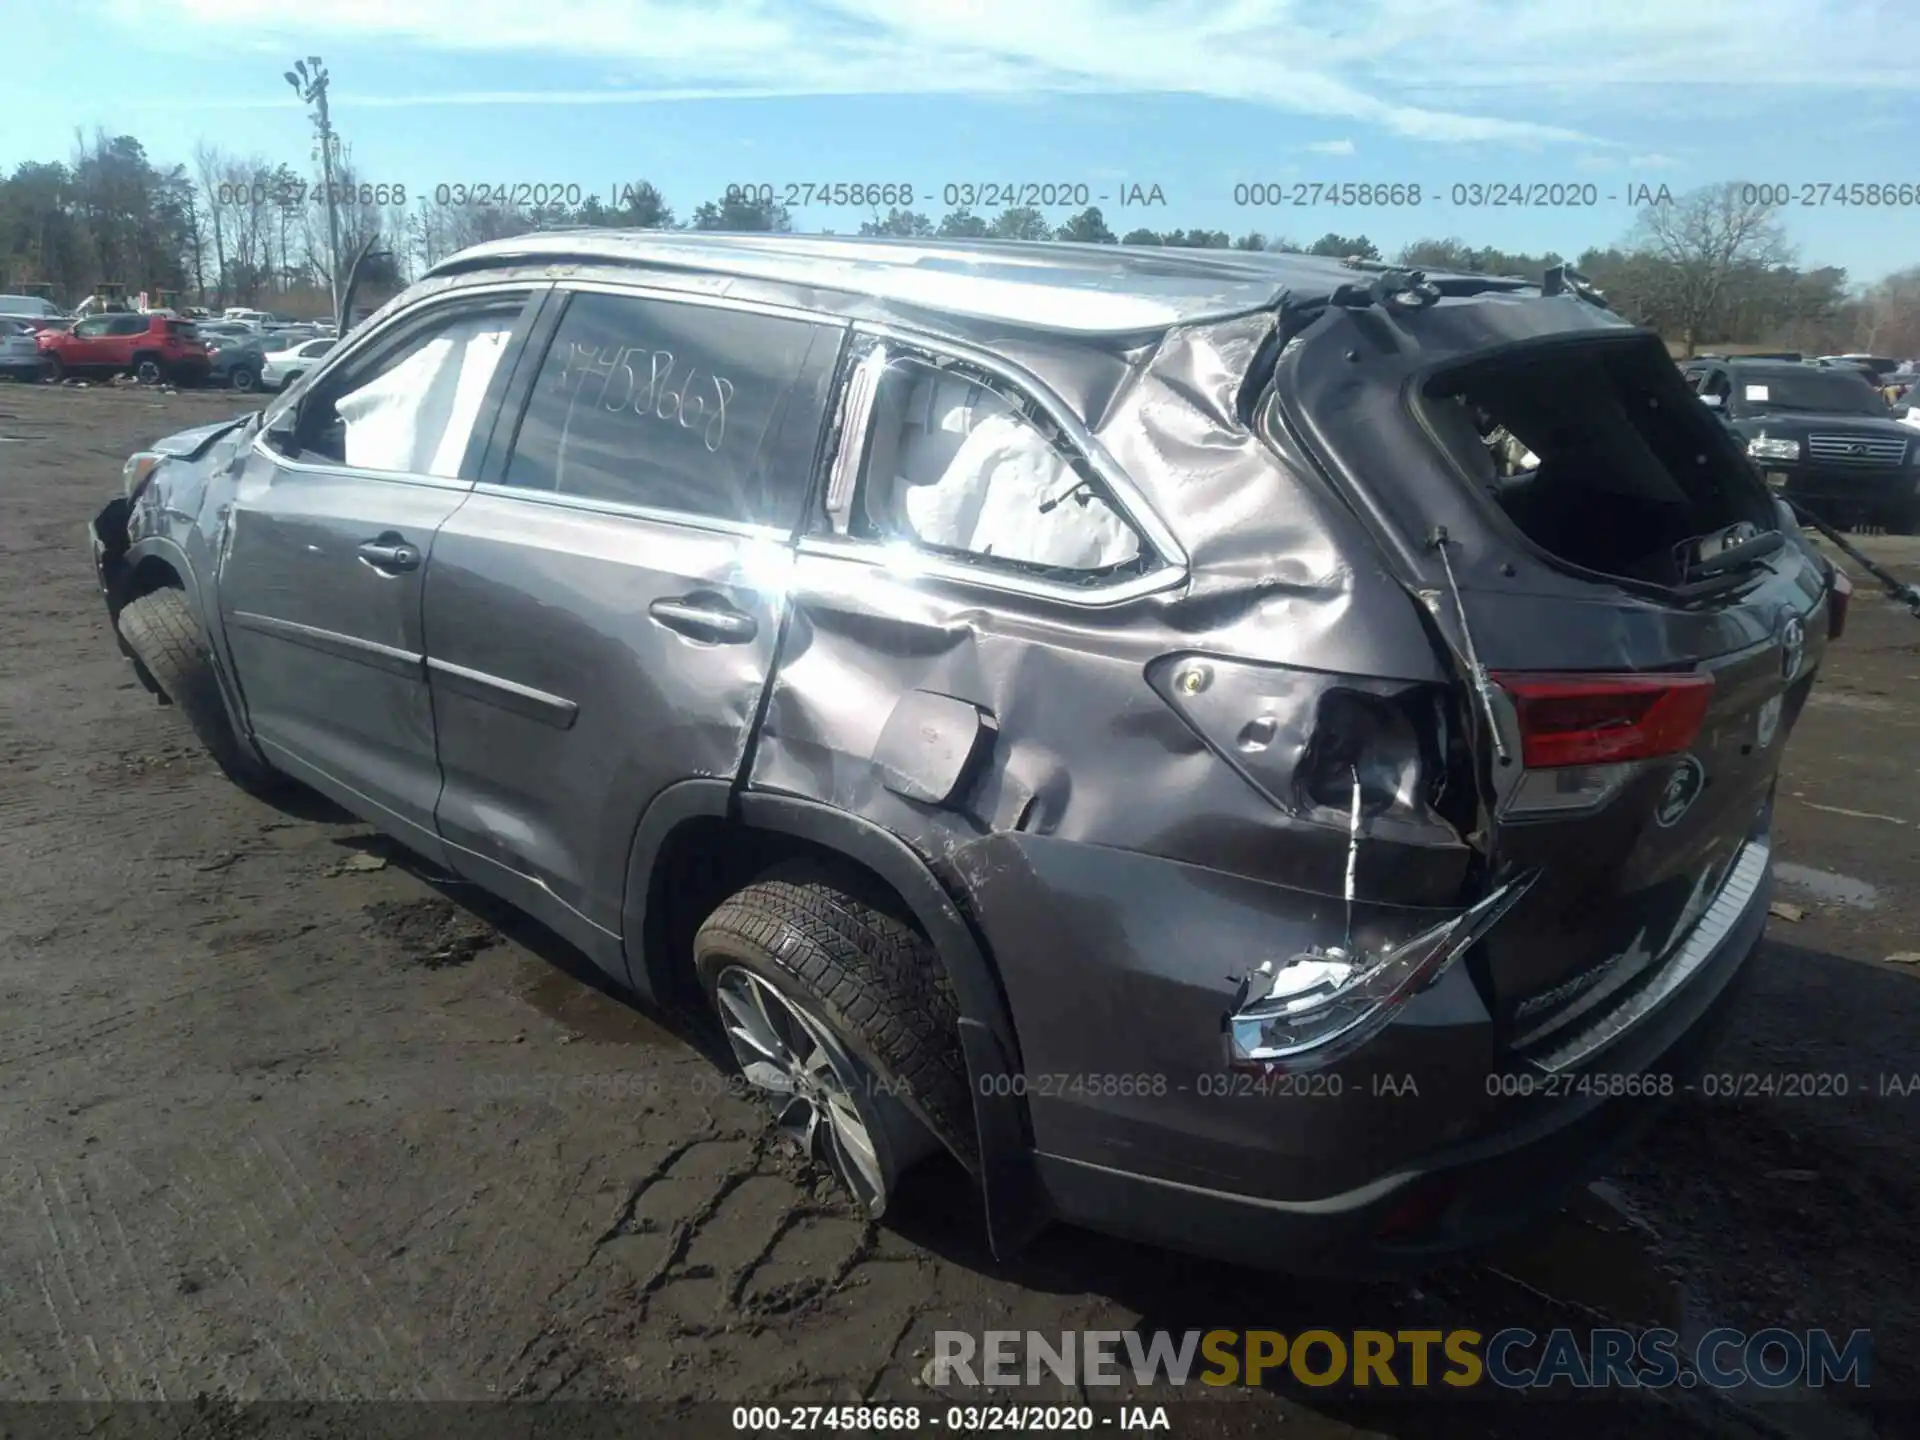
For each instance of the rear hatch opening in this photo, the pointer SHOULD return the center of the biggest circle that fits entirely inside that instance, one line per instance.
(1630, 632)
(1599, 456)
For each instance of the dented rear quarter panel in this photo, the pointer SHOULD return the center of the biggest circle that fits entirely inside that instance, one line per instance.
(1124, 875)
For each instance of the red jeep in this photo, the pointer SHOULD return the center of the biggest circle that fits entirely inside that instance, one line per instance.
(149, 347)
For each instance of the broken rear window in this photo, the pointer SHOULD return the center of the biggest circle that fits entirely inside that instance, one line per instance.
(1596, 453)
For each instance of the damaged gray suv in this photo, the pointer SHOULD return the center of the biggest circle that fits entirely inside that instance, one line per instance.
(1260, 754)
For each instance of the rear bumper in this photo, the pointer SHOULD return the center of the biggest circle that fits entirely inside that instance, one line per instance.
(1489, 1165)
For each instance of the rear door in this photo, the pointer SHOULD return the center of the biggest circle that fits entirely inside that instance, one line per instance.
(1627, 739)
(325, 550)
(602, 614)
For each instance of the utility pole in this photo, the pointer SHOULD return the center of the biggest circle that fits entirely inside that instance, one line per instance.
(309, 81)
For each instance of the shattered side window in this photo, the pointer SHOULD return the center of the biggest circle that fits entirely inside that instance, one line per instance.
(955, 466)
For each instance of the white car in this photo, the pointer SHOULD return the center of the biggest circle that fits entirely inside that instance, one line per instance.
(283, 367)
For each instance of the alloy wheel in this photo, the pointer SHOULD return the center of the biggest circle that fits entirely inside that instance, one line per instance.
(808, 1079)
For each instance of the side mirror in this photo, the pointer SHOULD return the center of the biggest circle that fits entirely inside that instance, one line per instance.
(1714, 402)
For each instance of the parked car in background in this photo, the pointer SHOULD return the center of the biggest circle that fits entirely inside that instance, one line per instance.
(965, 667)
(236, 362)
(19, 350)
(283, 367)
(150, 348)
(1874, 364)
(246, 313)
(30, 307)
(1823, 435)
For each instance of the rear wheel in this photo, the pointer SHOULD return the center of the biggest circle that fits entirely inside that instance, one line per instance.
(147, 369)
(161, 630)
(842, 1018)
(242, 378)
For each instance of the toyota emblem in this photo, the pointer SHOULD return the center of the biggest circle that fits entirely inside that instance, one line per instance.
(1793, 645)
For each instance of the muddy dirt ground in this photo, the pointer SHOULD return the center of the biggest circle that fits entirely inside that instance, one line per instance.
(282, 1116)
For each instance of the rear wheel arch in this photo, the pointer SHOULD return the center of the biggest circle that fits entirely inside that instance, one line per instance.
(699, 843)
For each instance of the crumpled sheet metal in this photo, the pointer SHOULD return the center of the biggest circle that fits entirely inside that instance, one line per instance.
(1085, 750)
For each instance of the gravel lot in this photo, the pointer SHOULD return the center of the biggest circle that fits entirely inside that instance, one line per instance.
(282, 1116)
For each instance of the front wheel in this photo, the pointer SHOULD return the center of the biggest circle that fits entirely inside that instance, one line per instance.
(241, 378)
(842, 1018)
(161, 630)
(1904, 519)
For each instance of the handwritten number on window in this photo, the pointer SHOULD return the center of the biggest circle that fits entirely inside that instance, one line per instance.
(694, 403)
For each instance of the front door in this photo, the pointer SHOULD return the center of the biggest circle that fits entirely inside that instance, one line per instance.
(325, 551)
(89, 345)
(602, 614)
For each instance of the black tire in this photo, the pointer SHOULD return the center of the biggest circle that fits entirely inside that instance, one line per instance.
(52, 369)
(161, 630)
(148, 370)
(1905, 520)
(873, 980)
(242, 377)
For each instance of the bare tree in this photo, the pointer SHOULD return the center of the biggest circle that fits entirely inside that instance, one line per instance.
(1707, 238)
(1891, 323)
(209, 165)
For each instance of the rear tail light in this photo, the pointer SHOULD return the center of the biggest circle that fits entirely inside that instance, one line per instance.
(1568, 720)
(1838, 600)
(1582, 737)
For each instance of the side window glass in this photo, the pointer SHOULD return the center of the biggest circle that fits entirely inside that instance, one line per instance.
(956, 466)
(411, 408)
(1718, 382)
(705, 411)
(87, 329)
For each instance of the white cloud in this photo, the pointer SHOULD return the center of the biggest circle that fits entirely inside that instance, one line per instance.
(1331, 147)
(1482, 70)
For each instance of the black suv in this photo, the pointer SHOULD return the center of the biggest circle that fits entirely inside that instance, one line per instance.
(1239, 749)
(1823, 436)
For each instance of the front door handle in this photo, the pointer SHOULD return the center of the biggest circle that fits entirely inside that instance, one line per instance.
(390, 555)
(707, 618)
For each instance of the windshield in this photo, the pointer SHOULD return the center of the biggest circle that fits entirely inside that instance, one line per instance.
(1834, 392)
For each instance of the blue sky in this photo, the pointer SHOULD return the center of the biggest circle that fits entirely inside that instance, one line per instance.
(1195, 96)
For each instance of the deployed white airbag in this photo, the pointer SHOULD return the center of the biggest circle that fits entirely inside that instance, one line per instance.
(972, 475)
(418, 416)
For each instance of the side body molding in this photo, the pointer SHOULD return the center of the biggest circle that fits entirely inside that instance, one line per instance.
(1015, 1206)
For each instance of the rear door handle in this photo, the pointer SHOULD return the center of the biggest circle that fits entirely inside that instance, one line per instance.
(390, 555)
(705, 618)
